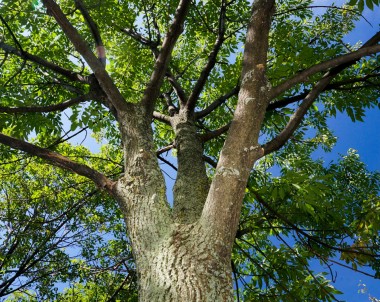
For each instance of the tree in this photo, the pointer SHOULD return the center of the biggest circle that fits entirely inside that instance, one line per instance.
(177, 77)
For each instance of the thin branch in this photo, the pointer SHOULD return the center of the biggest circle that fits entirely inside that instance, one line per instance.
(268, 272)
(164, 149)
(18, 72)
(58, 160)
(300, 231)
(210, 161)
(100, 50)
(71, 75)
(323, 6)
(180, 92)
(146, 12)
(49, 108)
(191, 102)
(172, 109)
(218, 102)
(302, 260)
(213, 134)
(234, 271)
(64, 139)
(202, 20)
(332, 86)
(303, 76)
(11, 33)
(113, 296)
(350, 268)
(162, 62)
(4, 60)
(139, 37)
(167, 162)
(297, 117)
(162, 117)
(32, 259)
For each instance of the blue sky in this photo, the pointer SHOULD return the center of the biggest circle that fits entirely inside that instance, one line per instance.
(365, 138)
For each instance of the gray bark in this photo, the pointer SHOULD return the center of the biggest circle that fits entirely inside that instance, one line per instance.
(183, 253)
(174, 261)
(191, 186)
(184, 266)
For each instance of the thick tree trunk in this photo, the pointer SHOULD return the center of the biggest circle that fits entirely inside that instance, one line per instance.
(184, 269)
(176, 260)
(183, 266)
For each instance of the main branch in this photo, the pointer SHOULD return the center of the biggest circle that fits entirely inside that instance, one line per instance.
(105, 81)
(222, 209)
(59, 160)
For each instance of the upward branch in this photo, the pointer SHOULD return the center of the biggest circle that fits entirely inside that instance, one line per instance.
(336, 62)
(162, 62)
(222, 209)
(82, 47)
(297, 117)
(59, 160)
(218, 102)
(101, 51)
(211, 60)
(71, 75)
(320, 86)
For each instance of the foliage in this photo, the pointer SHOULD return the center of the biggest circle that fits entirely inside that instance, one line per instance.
(58, 230)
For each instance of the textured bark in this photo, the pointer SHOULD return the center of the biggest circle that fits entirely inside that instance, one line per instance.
(141, 192)
(183, 266)
(174, 262)
(191, 186)
(182, 253)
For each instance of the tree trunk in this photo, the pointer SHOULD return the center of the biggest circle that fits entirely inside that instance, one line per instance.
(175, 260)
(184, 266)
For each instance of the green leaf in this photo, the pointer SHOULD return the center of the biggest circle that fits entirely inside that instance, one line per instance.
(361, 5)
(369, 4)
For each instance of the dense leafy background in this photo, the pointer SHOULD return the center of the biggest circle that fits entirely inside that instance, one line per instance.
(63, 240)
